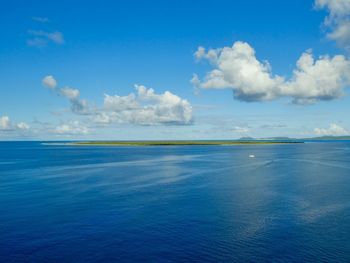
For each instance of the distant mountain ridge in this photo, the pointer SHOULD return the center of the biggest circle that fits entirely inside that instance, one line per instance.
(330, 137)
(326, 137)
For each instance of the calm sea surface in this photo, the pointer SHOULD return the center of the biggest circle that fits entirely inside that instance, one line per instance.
(291, 203)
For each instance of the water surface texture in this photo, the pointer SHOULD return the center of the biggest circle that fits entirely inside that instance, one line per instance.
(290, 203)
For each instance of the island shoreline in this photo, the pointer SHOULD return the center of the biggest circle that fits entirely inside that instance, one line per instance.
(179, 143)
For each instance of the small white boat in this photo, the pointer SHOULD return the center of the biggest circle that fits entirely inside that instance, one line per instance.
(251, 156)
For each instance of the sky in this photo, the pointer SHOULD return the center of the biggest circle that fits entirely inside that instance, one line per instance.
(155, 70)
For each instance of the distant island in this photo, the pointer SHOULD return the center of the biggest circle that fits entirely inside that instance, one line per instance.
(331, 138)
(241, 141)
(320, 138)
(173, 142)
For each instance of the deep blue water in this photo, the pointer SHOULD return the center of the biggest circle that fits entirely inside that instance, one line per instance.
(291, 203)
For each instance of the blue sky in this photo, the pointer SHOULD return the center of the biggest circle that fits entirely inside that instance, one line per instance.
(67, 69)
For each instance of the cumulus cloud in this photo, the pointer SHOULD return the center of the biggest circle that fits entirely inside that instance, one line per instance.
(321, 79)
(338, 20)
(237, 68)
(145, 107)
(7, 125)
(333, 129)
(72, 128)
(70, 93)
(22, 126)
(120, 103)
(4, 122)
(49, 82)
(78, 106)
(102, 118)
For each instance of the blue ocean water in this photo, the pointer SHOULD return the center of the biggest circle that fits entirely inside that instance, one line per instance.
(291, 203)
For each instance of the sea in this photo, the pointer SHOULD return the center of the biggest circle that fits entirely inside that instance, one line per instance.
(239, 203)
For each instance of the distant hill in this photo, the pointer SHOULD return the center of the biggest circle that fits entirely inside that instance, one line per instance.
(268, 139)
(347, 137)
(330, 138)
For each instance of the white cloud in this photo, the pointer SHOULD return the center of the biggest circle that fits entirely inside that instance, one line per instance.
(338, 20)
(37, 42)
(341, 34)
(72, 128)
(211, 55)
(40, 19)
(102, 118)
(322, 79)
(144, 107)
(120, 103)
(148, 108)
(22, 126)
(238, 68)
(56, 37)
(337, 8)
(49, 82)
(7, 126)
(239, 129)
(81, 107)
(273, 126)
(333, 129)
(4, 123)
(70, 93)
(40, 38)
(78, 105)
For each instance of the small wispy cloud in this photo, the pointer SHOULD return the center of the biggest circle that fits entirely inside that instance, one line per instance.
(41, 38)
(337, 23)
(240, 129)
(273, 126)
(333, 129)
(40, 19)
(70, 128)
(78, 105)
